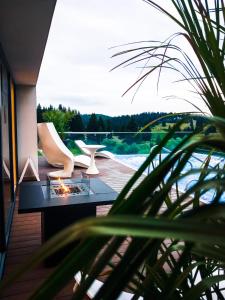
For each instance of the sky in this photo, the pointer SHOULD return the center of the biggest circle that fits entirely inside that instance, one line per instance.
(76, 66)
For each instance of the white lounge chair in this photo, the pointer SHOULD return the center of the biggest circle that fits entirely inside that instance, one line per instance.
(103, 153)
(56, 153)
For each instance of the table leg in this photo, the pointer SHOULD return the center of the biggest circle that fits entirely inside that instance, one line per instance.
(58, 218)
(92, 170)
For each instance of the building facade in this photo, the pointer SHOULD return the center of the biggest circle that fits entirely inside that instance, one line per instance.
(24, 29)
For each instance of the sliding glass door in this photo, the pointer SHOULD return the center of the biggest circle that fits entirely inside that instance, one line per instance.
(6, 145)
(2, 175)
(8, 174)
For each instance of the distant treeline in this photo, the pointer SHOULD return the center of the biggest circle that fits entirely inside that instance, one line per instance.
(66, 119)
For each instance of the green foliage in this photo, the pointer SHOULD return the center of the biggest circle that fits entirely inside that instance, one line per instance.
(122, 123)
(132, 125)
(110, 143)
(172, 143)
(39, 114)
(129, 143)
(76, 123)
(101, 124)
(113, 143)
(61, 109)
(144, 148)
(59, 118)
(92, 124)
(119, 146)
(108, 126)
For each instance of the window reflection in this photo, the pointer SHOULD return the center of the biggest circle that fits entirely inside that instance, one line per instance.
(5, 127)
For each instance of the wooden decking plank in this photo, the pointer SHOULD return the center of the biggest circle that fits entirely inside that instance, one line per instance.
(21, 251)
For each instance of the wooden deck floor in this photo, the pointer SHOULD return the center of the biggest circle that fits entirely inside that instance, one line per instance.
(26, 233)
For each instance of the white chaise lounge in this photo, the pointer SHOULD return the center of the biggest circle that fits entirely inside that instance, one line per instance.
(56, 153)
(103, 153)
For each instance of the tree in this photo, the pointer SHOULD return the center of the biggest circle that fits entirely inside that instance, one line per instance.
(92, 124)
(60, 119)
(50, 108)
(39, 114)
(122, 128)
(163, 123)
(60, 107)
(108, 126)
(76, 123)
(132, 125)
(101, 124)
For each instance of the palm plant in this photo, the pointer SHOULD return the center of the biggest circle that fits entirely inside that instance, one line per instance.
(202, 26)
(175, 245)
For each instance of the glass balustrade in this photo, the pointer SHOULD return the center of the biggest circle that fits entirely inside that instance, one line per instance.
(131, 148)
(122, 142)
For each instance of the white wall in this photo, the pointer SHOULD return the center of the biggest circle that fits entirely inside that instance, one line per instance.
(26, 126)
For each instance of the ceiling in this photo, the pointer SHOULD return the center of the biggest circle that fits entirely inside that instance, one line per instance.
(24, 28)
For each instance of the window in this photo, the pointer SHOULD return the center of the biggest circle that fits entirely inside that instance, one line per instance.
(8, 174)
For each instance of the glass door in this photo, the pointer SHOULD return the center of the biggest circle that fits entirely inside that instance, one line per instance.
(6, 161)
(2, 175)
(8, 170)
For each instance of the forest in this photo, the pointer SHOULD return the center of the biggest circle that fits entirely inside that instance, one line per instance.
(118, 133)
(71, 120)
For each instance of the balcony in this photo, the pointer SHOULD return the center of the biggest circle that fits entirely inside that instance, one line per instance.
(26, 229)
(26, 232)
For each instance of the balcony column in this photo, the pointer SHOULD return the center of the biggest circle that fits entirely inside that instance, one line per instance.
(26, 126)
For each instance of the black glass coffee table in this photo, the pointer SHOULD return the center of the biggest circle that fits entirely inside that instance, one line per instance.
(60, 212)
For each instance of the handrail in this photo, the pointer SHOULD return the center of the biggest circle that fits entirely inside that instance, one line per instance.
(112, 132)
(137, 132)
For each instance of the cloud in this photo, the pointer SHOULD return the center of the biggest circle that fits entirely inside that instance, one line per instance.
(77, 60)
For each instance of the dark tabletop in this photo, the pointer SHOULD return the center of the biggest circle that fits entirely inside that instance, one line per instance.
(32, 199)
